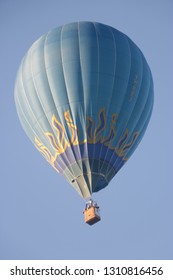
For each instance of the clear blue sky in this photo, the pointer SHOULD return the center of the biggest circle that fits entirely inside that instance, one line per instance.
(40, 214)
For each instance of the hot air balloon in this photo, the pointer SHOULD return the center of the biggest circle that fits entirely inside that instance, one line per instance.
(84, 96)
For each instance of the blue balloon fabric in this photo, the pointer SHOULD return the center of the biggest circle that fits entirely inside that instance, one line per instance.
(84, 96)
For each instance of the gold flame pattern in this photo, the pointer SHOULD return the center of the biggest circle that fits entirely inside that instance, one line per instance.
(94, 134)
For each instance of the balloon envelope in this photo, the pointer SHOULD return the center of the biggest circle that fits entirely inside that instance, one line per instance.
(84, 95)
